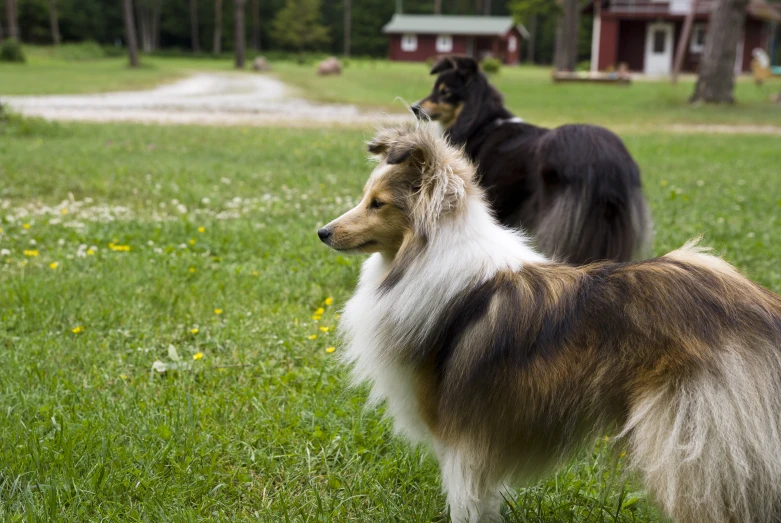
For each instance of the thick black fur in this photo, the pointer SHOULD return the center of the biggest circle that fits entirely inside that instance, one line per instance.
(575, 188)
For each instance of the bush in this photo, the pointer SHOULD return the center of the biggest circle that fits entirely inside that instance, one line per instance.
(491, 65)
(11, 51)
(585, 65)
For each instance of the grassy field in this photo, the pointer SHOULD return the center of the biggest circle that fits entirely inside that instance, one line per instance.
(528, 91)
(123, 246)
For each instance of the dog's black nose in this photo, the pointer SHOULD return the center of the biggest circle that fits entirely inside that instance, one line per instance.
(324, 234)
(417, 111)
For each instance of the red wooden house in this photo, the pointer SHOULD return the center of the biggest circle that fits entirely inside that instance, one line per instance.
(644, 34)
(416, 38)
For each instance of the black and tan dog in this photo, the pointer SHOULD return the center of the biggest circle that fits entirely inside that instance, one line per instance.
(575, 188)
(506, 362)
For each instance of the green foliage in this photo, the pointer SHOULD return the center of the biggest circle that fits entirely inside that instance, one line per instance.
(521, 10)
(297, 25)
(11, 51)
(491, 65)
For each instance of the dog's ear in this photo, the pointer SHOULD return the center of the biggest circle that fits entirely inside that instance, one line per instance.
(466, 65)
(446, 63)
(391, 145)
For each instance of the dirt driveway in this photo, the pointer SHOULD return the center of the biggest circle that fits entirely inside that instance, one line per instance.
(204, 98)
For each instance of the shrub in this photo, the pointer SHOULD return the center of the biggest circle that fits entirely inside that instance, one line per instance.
(491, 65)
(585, 65)
(11, 51)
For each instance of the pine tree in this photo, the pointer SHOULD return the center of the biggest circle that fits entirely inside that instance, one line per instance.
(297, 25)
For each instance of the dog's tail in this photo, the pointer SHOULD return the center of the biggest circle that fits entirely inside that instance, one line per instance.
(590, 204)
(708, 446)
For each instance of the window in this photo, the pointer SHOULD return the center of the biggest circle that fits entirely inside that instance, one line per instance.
(512, 43)
(697, 42)
(409, 43)
(660, 41)
(444, 43)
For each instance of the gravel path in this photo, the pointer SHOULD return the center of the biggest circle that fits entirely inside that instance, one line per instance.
(205, 98)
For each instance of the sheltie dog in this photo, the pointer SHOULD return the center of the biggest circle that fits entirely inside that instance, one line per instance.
(506, 362)
(575, 188)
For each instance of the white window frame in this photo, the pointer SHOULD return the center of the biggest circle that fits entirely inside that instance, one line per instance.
(409, 43)
(694, 47)
(444, 43)
(512, 43)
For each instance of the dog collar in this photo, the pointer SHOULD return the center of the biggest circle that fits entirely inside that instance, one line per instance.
(500, 122)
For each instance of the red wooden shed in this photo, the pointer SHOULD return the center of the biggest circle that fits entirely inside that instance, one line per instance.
(416, 38)
(644, 34)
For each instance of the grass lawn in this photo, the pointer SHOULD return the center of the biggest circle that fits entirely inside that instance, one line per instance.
(45, 73)
(529, 92)
(375, 84)
(195, 247)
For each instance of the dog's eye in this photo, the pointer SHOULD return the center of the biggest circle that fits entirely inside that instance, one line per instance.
(376, 204)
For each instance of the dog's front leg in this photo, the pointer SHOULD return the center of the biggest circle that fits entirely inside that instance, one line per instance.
(471, 495)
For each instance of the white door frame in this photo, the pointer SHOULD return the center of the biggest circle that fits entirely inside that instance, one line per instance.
(658, 64)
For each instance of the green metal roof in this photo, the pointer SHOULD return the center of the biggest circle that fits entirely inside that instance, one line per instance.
(452, 24)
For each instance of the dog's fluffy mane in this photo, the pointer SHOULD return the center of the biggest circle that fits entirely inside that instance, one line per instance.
(505, 361)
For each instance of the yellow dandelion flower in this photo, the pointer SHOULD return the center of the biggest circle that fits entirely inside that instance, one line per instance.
(337, 316)
(316, 317)
(218, 311)
(31, 252)
(663, 183)
(325, 329)
(63, 211)
(192, 269)
(54, 265)
(255, 273)
(329, 301)
(1, 229)
(26, 226)
(320, 311)
(77, 330)
(90, 252)
(123, 377)
(192, 241)
(623, 454)
(198, 355)
(194, 331)
(201, 229)
(312, 337)
(329, 350)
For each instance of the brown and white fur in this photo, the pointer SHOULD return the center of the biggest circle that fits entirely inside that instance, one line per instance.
(506, 362)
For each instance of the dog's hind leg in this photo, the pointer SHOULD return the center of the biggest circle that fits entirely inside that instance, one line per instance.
(473, 495)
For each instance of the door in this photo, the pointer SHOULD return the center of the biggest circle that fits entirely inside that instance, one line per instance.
(659, 49)
(470, 47)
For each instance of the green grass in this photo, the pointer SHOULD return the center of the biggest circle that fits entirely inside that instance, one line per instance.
(46, 73)
(262, 427)
(379, 84)
(529, 92)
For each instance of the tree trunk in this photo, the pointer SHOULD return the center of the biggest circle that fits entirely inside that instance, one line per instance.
(560, 53)
(55, 22)
(573, 28)
(1, 31)
(716, 81)
(241, 37)
(217, 44)
(487, 7)
(11, 20)
(194, 37)
(437, 7)
(130, 32)
(532, 28)
(156, 24)
(143, 15)
(255, 12)
(348, 17)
